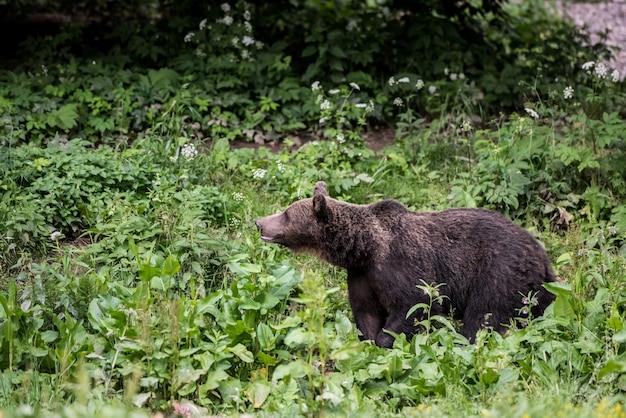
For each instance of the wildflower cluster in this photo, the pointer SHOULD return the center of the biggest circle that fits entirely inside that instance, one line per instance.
(342, 111)
(532, 113)
(233, 28)
(189, 151)
(600, 71)
(258, 173)
(568, 92)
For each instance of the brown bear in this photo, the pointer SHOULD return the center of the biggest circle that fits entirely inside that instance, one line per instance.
(487, 265)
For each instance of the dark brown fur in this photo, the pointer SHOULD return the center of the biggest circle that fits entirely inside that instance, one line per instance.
(487, 263)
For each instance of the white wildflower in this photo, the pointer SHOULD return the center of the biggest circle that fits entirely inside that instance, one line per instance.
(238, 196)
(234, 222)
(391, 81)
(361, 105)
(259, 44)
(615, 76)
(247, 40)
(404, 80)
(189, 36)
(588, 66)
(568, 92)
(461, 76)
(325, 105)
(340, 138)
(44, 69)
(351, 25)
(280, 166)
(370, 107)
(189, 151)
(420, 84)
(227, 20)
(466, 126)
(202, 23)
(323, 120)
(334, 91)
(55, 235)
(315, 86)
(531, 113)
(453, 76)
(432, 89)
(398, 101)
(247, 26)
(246, 15)
(258, 173)
(225, 7)
(235, 40)
(446, 71)
(600, 71)
(355, 86)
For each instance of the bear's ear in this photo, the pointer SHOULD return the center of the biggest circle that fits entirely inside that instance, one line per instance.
(320, 207)
(320, 189)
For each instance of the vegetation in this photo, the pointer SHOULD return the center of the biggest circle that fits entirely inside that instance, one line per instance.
(133, 280)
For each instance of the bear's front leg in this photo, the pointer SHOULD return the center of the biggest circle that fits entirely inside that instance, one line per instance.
(397, 323)
(369, 314)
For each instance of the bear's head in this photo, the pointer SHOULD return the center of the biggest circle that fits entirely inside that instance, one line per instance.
(299, 226)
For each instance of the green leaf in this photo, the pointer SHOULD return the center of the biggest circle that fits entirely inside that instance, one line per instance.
(65, 117)
(242, 352)
(266, 337)
(309, 50)
(49, 336)
(161, 282)
(213, 380)
(171, 266)
(266, 359)
(295, 370)
(299, 336)
(563, 308)
(613, 366)
(258, 392)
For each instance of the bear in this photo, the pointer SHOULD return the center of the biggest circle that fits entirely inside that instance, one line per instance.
(486, 265)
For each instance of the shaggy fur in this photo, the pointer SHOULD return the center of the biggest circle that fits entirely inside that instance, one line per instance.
(487, 263)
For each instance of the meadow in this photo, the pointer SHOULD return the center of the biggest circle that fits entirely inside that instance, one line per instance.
(133, 281)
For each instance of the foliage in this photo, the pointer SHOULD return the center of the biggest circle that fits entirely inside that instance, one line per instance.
(133, 281)
(243, 70)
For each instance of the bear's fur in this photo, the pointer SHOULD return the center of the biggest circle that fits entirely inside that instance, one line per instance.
(486, 263)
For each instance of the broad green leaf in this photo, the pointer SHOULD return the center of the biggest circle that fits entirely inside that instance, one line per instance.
(613, 366)
(213, 380)
(257, 393)
(49, 336)
(294, 370)
(266, 359)
(242, 352)
(266, 337)
(161, 282)
(299, 336)
(171, 266)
